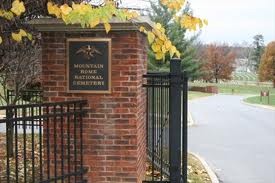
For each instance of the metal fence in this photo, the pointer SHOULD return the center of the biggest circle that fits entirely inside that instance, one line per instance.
(167, 125)
(43, 143)
(25, 96)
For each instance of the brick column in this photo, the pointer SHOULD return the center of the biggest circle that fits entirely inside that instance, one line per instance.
(114, 130)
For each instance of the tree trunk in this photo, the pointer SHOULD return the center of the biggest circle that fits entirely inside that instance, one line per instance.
(274, 83)
(216, 80)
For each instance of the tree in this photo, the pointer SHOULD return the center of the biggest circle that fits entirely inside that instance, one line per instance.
(267, 65)
(258, 48)
(89, 13)
(177, 35)
(247, 54)
(19, 69)
(218, 62)
(15, 32)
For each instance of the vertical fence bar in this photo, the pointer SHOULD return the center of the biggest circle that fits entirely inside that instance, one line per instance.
(30, 116)
(48, 142)
(24, 143)
(157, 120)
(40, 144)
(153, 130)
(55, 141)
(32, 143)
(16, 146)
(161, 127)
(8, 143)
(184, 128)
(175, 121)
(147, 116)
(75, 143)
(62, 141)
(81, 140)
(167, 119)
(68, 142)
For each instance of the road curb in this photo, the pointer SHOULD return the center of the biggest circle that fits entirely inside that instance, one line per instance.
(257, 105)
(190, 120)
(212, 94)
(210, 172)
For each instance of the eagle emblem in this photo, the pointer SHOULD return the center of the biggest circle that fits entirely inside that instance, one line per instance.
(88, 51)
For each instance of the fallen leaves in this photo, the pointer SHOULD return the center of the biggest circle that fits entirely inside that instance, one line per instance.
(196, 172)
(12, 164)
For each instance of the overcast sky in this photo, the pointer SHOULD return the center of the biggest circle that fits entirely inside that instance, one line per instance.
(231, 21)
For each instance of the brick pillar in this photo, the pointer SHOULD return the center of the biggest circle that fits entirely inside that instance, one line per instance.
(114, 130)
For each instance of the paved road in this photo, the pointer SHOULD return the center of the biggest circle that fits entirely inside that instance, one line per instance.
(237, 141)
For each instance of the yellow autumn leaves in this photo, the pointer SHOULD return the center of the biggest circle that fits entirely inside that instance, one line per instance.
(88, 16)
(63, 10)
(18, 36)
(6, 14)
(78, 10)
(53, 9)
(17, 9)
(186, 21)
(160, 43)
(191, 23)
(174, 5)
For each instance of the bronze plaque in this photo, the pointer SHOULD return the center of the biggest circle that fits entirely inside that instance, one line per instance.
(89, 65)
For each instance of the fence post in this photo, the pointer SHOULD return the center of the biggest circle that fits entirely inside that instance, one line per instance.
(184, 129)
(9, 131)
(175, 121)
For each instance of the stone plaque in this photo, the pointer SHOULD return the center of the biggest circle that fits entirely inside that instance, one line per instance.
(89, 65)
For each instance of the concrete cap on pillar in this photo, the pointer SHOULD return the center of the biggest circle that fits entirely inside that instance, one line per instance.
(57, 25)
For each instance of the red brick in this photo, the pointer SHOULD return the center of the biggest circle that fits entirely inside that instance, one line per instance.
(114, 129)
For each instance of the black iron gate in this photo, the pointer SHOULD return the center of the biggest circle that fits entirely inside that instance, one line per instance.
(167, 125)
(47, 142)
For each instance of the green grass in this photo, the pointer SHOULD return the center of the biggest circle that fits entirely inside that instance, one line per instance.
(194, 95)
(257, 100)
(237, 89)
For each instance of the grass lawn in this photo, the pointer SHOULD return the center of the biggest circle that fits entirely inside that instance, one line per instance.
(237, 89)
(257, 100)
(194, 95)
